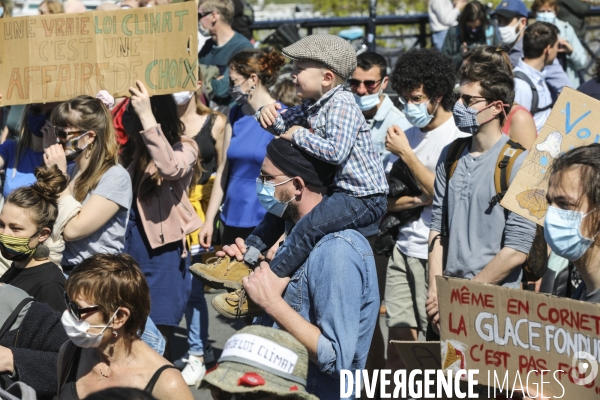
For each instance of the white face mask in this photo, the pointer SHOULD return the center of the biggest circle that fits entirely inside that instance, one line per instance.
(203, 31)
(508, 34)
(546, 16)
(182, 98)
(77, 331)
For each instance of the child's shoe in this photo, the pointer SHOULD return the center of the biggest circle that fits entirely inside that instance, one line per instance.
(236, 305)
(221, 272)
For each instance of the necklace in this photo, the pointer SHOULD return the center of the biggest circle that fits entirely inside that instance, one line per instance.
(120, 367)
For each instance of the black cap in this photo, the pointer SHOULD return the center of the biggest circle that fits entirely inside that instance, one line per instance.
(296, 162)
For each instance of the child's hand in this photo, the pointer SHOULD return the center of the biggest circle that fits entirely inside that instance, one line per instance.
(290, 133)
(269, 114)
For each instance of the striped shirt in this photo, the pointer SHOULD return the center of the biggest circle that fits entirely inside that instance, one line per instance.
(334, 130)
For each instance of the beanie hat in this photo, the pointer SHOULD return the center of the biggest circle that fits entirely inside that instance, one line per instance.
(296, 162)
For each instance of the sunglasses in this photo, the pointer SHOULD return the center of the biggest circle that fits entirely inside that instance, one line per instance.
(370, 85)
(468, 100)
(202, 15)
(62, 134)
(75, 310)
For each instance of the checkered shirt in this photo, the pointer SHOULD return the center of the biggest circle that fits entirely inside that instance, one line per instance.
(334, 130)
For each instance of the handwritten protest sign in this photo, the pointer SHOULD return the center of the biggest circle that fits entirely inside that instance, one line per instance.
(573, 122)
(511, 336)
(49, 58)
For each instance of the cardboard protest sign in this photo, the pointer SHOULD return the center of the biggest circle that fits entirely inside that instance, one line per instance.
(511, 336)
(426, 355)
(50, 58)
(573, 122)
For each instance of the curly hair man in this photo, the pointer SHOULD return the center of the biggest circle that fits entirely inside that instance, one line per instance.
(424, 80)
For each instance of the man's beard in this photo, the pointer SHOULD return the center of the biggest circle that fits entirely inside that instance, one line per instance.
(291, 211)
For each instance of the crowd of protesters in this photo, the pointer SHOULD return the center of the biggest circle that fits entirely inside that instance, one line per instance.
(323, 203)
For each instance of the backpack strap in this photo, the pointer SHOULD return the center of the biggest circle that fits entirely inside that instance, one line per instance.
(14, 315)
(454, 152)
(535, 100)
(506, 159)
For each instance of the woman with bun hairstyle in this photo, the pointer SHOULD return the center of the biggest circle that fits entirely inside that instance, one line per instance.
(164, 168)
(26, 222)
(85, 134)
(252, 72)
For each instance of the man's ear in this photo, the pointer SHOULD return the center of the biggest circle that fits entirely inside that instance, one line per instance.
(299, 185)
(384, 83)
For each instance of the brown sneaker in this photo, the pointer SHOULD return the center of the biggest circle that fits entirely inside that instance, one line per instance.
(221, 272)
(236, 305)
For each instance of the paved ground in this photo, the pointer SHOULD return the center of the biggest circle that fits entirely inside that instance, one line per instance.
(219, 330)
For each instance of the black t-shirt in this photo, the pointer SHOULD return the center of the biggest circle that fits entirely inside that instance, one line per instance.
(45, 283)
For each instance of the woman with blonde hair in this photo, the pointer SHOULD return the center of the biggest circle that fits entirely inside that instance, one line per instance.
(85, 134)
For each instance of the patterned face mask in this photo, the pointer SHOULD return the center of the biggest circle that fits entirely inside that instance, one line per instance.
(72, 149)
(15, 248)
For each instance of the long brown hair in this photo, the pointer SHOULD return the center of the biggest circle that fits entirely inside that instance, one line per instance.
(87, 113)
(165, 112)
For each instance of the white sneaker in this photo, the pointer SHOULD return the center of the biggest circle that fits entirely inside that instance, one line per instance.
(194, 371)
(209, 356)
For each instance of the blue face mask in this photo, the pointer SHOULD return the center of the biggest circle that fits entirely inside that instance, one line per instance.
(562, 231)
(546, 16)
(417, 114)
(36, 123)
(266, 197)
(367, 102)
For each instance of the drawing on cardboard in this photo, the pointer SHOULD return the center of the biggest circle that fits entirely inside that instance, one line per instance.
(534, 201)
(453, 354)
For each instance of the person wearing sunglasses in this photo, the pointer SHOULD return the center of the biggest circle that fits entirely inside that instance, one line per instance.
(368, 83)
(248, 375)
(494, 247)
(30, 338)
(108, 302)
(215, 18)
(84, 136)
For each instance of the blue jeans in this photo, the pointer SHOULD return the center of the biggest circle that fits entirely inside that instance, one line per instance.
(336, 212)
(153, 337)
(196, 316)
(438, 39)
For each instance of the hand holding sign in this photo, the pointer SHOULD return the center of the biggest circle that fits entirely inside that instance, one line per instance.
(140, 101)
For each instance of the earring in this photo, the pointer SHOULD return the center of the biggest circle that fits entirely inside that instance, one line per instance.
(42, 252)
(115, 334)
(88, 154)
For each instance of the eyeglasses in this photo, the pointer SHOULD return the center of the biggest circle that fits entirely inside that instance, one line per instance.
(370, 85)
(75, 310)
(62, 134)
(202, 15)
(262, 177)
(414, 100)
(468, 100)
(233, 83)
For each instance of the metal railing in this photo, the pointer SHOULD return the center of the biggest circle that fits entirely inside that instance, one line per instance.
(421, 22)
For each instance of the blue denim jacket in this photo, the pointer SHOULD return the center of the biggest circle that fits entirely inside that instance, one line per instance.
(336, 290)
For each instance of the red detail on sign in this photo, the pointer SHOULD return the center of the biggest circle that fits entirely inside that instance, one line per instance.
(293, 388)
